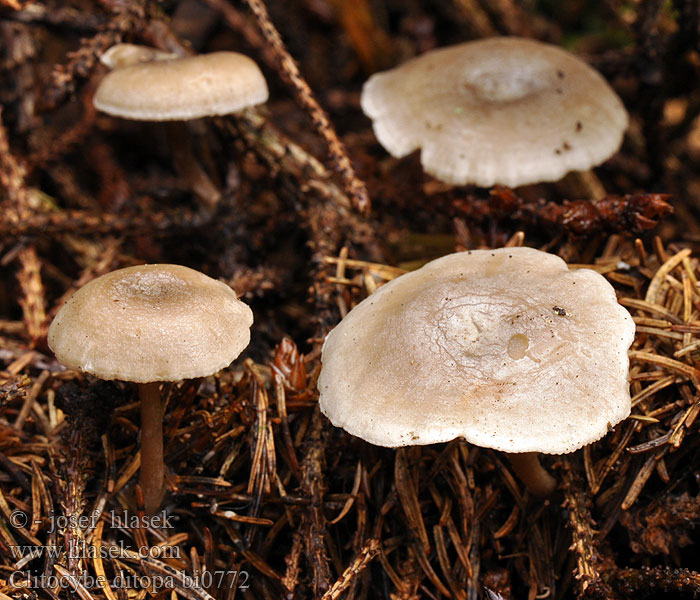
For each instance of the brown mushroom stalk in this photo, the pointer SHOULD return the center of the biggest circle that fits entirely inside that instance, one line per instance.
(152, 474)
(189, 168)
(528, 468)
(583, 184)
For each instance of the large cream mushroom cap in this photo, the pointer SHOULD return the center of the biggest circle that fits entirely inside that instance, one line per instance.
(502, 110)
(506, 348)
(151, 323)
(206, 85)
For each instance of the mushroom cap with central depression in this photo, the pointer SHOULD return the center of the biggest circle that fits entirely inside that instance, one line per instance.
(502, 110)
(151, 323)
(507, 348)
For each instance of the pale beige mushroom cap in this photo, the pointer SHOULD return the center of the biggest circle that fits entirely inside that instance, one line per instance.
(151, 323)
(184, 88)
(503, 110)
(125, 55)
(506, 348)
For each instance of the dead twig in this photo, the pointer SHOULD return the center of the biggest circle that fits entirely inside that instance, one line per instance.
(313, 520)
(355, 188)
(368, 552)
(585, 545)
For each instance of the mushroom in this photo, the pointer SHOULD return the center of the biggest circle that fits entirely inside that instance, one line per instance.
(124, 55)
(182, 89)
(506, 348)
(148, 324)
(502, 110)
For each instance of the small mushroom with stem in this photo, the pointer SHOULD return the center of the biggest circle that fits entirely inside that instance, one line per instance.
(149, 324)
(503, 110)
(181, 89)
(506, 348)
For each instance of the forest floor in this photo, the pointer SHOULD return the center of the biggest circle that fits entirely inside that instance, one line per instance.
(265, 499)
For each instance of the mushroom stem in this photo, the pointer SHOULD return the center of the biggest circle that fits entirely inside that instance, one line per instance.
(189, 168)
(583, 184)
(527, 466)
(152, 466)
